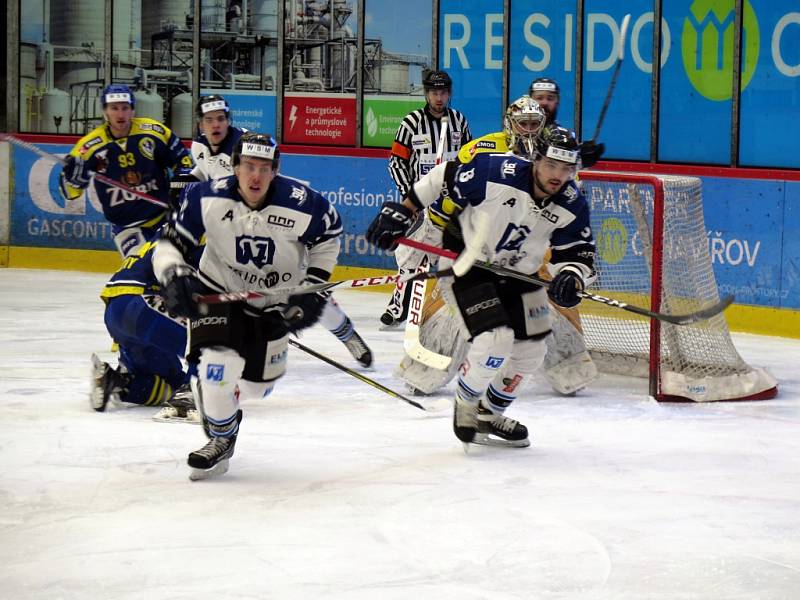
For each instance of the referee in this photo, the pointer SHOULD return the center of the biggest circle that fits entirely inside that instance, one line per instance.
(414, 154)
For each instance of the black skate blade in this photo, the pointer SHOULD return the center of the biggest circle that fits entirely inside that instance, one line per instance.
(218, 469)
(485, 439)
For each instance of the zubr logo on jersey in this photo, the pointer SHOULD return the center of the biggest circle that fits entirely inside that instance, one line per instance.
(707, 47)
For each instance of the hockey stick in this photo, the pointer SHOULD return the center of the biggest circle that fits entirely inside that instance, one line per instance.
(362, 282)
(107, 180)
(411, 340)
(356, 374)
(687, 319)
(620, 56)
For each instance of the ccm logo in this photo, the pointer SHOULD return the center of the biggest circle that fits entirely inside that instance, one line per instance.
(209, 321)
(471, 310)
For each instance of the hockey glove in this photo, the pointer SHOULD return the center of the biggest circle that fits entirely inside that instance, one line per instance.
(181, 284)
(180, 182)
(304, 310)
(565, 287)
(591, 153)
(75, 171)
(391, 223)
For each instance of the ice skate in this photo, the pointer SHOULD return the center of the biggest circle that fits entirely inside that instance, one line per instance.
(212, 459)
(495, 429)
(107, 384)
(359, 349)
(180, 408)
(465, 421)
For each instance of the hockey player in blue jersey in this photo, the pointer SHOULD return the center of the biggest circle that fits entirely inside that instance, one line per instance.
(509, 211)
(263, 232)
(138, 152)
(151, 342)
(212, 150)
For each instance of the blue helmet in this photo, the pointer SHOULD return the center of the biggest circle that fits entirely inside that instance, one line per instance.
(117, 92)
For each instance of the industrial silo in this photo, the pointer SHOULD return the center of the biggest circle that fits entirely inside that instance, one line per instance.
(182, 120)
(149, 104)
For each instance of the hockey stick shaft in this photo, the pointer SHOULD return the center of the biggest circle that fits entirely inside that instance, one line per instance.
(442, 139)
(359, 283)
(686, 319)
(623, 35)
(100, 177)
(355, 374)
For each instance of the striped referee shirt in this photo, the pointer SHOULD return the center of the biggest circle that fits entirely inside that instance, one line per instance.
(415, 144)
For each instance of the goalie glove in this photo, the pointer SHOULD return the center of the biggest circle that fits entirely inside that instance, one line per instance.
(390, 224)
(180, 286)
(75, 171)
(304, 310)
(565, 288)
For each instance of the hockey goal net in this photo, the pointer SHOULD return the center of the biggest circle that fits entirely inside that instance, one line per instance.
(652, 251)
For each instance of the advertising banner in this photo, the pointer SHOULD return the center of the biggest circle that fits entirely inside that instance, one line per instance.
(319, 119)
(471, 51)
(745, 219)
(382, 117)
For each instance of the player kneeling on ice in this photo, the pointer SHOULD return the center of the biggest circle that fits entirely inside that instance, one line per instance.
(151, 345)
(510, 212)
(262, 232)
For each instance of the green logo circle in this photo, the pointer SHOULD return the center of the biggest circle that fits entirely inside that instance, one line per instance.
(612, 243)
(707, 47)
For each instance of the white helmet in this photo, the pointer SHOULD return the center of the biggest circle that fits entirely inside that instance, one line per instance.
(522, 124)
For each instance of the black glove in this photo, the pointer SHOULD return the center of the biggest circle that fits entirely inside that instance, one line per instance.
(390, 224)
(564, 288)
(181, 284)
(591, 153)
(75, 171)
(303, 310)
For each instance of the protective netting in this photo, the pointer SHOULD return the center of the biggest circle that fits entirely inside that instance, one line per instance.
(698, 361)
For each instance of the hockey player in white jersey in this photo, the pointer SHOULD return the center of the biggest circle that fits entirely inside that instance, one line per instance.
(510, 212)
(263, 232)
(212, 150)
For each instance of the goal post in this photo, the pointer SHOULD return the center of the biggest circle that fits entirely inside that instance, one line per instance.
(652, 250)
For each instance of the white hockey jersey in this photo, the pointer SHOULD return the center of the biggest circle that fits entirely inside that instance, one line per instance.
(214, 165)
(520, 229)
(295, 232)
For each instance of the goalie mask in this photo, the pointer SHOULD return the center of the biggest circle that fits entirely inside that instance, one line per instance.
(257, 145)
(522, 124)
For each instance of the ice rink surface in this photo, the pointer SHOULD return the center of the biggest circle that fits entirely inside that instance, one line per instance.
(338, 491)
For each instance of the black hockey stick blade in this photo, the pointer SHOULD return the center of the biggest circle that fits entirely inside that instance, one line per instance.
(355, 374)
